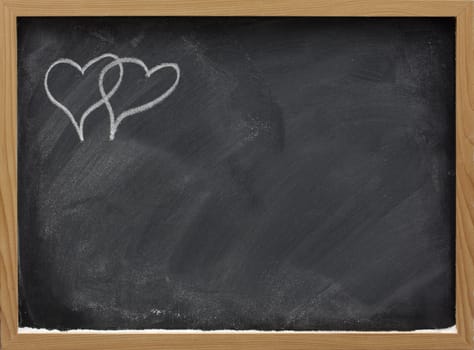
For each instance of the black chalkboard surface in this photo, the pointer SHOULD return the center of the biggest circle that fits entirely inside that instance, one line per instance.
(276, 174)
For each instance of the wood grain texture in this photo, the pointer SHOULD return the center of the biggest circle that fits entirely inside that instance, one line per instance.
(464, 177)
(10, 9)
(8, 180)
(237, 8)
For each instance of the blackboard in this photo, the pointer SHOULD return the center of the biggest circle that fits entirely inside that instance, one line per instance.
(297, 174)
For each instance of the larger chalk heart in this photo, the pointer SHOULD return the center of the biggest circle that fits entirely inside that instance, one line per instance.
(115, 121)
(79, 126)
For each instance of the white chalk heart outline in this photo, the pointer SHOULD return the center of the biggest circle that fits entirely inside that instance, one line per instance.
(115, 122)
(79, 127)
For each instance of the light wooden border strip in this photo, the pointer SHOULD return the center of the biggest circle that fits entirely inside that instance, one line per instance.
(237, 8)
(461, 9)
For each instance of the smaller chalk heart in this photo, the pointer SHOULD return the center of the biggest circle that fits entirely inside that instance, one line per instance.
(115, 121)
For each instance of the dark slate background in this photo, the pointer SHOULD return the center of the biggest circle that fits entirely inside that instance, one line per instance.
(301, 176)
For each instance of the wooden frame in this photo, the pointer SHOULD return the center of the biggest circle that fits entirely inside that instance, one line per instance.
(462, 10)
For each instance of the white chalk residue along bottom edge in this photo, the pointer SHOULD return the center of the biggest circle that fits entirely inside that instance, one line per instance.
(27, 330)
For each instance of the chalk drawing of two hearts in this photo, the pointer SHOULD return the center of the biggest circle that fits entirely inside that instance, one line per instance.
(106, 95)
